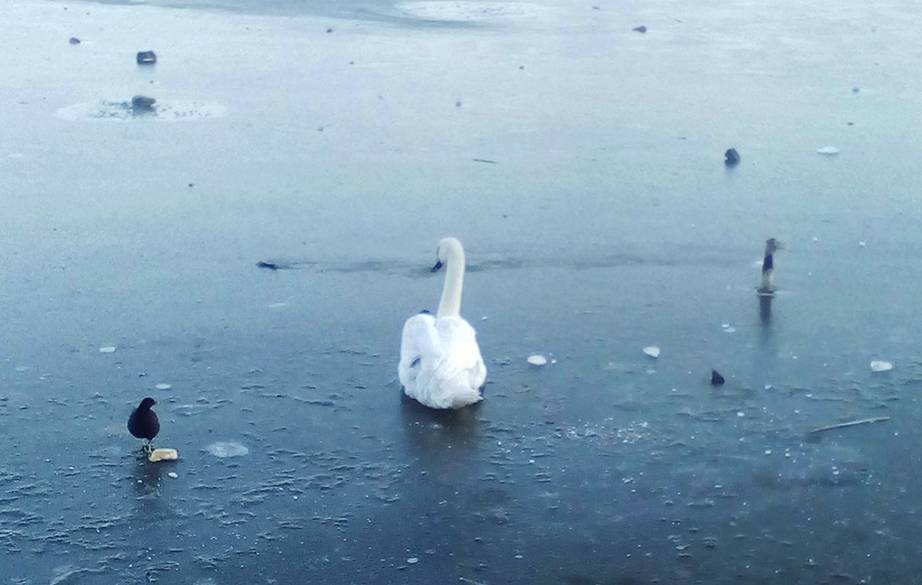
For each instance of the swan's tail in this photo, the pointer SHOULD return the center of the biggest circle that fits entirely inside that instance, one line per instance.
(457, 389)
(463, 395)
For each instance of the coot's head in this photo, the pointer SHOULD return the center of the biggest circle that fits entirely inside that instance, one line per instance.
(147, 403)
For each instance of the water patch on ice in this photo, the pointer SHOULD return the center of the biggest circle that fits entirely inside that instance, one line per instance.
(467, 11)
(162, 111)
(225, 449)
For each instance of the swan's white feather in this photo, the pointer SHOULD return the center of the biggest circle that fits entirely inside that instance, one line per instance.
(440, 362)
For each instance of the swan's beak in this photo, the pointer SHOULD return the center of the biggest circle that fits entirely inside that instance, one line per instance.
(437, 267)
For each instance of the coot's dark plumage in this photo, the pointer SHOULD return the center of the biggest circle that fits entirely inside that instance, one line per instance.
(143, 422)
(716, 378)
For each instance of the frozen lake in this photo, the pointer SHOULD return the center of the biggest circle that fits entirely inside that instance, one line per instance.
(581, 163)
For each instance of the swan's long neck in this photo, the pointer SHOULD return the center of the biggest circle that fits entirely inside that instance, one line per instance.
(450, 305)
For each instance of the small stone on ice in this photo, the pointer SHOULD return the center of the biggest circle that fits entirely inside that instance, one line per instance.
(881, 366)
(146, 58)
(142, 104)
(163, 386)
(716, 378)
(828, 150)
(107, 349)
(537, 360)
(652, 351)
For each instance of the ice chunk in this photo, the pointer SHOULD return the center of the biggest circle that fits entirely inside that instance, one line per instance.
(537, 360)
(881, 366)
(652, 350)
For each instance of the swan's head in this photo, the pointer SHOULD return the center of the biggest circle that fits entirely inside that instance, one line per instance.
(448, 248)
(147, 403)
(771, 245)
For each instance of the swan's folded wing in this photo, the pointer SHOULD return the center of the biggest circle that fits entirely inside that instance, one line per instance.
(420, 342)
(459, 341)
(462, 354)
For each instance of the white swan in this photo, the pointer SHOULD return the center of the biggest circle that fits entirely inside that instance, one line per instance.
(440, 362)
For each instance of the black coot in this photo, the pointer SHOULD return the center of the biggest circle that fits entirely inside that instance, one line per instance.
(143, 422)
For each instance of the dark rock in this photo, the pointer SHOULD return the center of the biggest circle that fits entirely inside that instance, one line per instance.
(141, 104)
(146, 57)
(716, 378)
(74, 41)
(641, 29)
(267, 265)
(329, 30)
(731, 157)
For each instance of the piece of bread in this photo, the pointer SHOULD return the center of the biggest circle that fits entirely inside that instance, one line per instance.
(163, 455)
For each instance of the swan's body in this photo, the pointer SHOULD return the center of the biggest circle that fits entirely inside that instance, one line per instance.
(440, 361)
(768, 267)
